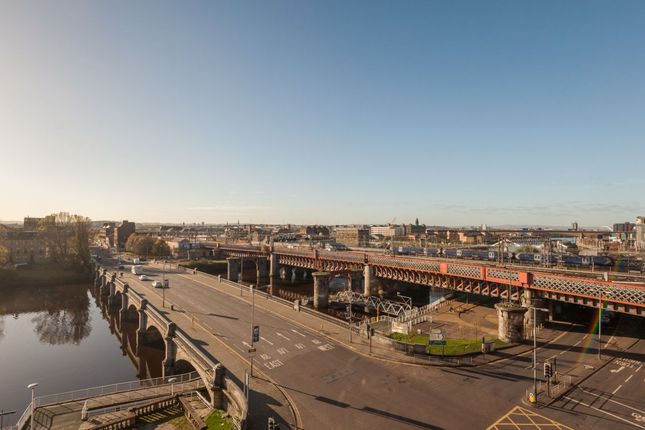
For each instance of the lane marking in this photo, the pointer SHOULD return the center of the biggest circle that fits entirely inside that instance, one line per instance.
(266, 340)
(265, 356)
(300, 345)
(617, 370)
(577, 343)
(281, 335)
(316, 341)
(616, 390)
(630, 377)
(247, 345)
(604, 412)
(297, 332)
(326, 347)
(562, 352)
(282, 351)
(611, 400)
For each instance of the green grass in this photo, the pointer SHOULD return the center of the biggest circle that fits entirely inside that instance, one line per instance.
(453, 347)
(217, 421)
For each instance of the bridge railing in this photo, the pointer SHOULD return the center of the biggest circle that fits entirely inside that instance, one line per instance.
(203, 361)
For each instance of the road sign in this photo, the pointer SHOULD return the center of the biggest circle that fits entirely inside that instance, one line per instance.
(256, 333)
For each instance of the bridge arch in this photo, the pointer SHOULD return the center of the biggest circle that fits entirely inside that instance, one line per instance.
(184, 363)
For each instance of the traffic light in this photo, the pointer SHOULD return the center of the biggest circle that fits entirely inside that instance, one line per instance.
(256, 333)
(548, 369)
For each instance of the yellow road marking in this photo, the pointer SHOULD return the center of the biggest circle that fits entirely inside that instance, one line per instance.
(521, 415)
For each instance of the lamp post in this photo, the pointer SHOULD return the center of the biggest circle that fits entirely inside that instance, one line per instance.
(535, 349)
(251, 350)
(351, 294)
(32, 387)
(172, 386)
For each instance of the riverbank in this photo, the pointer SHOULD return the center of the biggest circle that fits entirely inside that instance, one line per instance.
(42, 275)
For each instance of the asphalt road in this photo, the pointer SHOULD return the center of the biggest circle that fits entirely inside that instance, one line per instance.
(334, 387)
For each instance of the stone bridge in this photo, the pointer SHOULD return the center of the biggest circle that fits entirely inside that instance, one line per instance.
(181, 353)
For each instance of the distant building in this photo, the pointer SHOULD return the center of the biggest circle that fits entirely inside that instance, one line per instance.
(414, 229)
(639, 240)
(353, 236)
(121, 234)
(23, 246)
(624, 227)
(105, 236)
(31, 224)
(387, 230)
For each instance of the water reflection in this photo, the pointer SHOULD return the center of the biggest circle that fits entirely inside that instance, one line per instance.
(62, 313)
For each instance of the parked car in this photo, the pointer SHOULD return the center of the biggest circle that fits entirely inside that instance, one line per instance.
(144, 278)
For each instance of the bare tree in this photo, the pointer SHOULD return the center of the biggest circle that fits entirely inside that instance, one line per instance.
(66, 237)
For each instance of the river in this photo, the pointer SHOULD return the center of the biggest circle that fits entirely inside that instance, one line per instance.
(59, 338)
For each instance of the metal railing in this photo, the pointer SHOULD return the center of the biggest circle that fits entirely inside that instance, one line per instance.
(102, 390)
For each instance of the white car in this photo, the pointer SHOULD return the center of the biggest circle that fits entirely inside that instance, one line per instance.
(157, 284)
(144, 278)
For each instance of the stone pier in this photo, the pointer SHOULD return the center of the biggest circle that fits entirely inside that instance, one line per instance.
(528, 300)
(369, 282)
(510, 317)
(233, 269)
(356, 281)
(262, 272)
(321, 289)
(168, 363)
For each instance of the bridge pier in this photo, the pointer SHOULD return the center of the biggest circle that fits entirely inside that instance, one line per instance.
(233, 269)
(143, 322)
(262, 272)
(241, 275)
(216, 389)
(369, 286)
(168, 363)
(274, 271)
(112, 294)
(510, 318)
(321, 289)
(528, 299)
(123, 312)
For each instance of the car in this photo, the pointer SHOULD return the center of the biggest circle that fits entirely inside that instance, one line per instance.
(157, 284)
(121, 266)
(144, 278)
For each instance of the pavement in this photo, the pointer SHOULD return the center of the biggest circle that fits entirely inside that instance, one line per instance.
(332, 383)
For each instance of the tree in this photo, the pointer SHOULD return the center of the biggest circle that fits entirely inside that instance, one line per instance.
(160, 248)
(67, 238)
(4, 256)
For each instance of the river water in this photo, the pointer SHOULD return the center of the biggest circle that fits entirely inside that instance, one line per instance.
(58, 337)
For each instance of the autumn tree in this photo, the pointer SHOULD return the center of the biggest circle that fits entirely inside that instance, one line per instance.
(67, 238)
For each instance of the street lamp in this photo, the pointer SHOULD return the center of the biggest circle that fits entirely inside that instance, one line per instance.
(172, 386)
(535, 348)
(32, 387)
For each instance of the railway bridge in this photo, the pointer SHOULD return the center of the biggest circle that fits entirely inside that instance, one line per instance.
(519, 289)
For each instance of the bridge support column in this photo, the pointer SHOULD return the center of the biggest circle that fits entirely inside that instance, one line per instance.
(217, 386)
(510, 319)
(123, 312)
(168, 363)
(232, 268)
(143, 322)
(274, 271)
(241, 275)
(262, 272)
(321, 289)
(369, 286)
(528, 299)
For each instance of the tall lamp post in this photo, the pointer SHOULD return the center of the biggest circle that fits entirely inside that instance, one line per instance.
(535, 349)
(32, 387)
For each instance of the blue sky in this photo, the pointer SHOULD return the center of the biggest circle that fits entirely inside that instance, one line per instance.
(458, 113)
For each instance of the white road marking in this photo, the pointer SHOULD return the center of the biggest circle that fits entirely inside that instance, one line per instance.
(282, 351)
(265, 356)
(326, 347)
(617, 370)
(297, 332)
(265, 339)
(611, 400)
(604, 412)
(562, 352)
(639, 368)
(316, 341)
(273, 364)
(577, 343)
(616, 390)
(630, 377)
(281, 335)
(300, 346)
(247, 345)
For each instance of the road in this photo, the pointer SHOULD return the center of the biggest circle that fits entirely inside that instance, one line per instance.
(333, 386)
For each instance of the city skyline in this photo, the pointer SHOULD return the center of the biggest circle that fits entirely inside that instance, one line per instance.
(324, 113)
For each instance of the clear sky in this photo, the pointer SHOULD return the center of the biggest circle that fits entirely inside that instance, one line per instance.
(455, 112)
